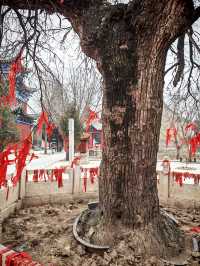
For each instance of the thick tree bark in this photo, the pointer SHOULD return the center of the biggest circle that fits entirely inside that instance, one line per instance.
(132, 61)
(131, 122)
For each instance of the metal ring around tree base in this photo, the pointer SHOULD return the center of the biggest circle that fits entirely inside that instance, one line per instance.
(83, 242)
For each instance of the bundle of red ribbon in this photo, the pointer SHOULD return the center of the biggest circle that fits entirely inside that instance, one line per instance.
(15, 68)
(179, 177)
(92, 116)
(41, 174)
(21, 159)
(194, 143)
(170, 132)
(20, 155)
(43, 119)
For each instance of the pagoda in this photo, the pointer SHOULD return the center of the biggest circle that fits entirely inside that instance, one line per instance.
(23, 93)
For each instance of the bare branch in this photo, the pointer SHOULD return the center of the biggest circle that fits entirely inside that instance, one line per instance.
(180, 59)
(171, 67)
(193, 41)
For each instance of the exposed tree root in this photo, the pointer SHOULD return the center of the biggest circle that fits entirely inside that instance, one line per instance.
(162, 238)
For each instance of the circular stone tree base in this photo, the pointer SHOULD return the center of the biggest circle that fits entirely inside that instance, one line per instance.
(161, 239)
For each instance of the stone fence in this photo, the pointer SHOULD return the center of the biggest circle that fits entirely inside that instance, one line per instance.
(29, 193)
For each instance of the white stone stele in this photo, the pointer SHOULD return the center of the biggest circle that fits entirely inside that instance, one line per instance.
(71, 139)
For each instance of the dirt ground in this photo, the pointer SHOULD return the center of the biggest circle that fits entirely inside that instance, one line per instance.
(45, 232)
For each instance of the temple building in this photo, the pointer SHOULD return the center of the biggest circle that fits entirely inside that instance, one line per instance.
(24, 120)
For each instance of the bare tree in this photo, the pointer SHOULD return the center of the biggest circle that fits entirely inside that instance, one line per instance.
(81, 88)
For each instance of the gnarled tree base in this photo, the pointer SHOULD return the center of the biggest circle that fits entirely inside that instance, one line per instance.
(162, 238)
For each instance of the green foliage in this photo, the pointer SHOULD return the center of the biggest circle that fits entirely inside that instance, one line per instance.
(71, 113)
(8, 129)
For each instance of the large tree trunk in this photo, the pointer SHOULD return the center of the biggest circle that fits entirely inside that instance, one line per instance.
(132, 108)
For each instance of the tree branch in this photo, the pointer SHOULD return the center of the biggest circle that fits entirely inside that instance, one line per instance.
(65, 8)
(196, 14)
(193, 41)
(180, 59)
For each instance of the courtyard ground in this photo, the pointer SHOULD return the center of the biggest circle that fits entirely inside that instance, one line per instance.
(46, 233)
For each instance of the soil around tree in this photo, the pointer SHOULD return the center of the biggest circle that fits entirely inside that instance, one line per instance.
(161, 238)
(45, 232)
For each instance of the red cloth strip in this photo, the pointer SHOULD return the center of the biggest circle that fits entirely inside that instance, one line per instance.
(93, 173)
(2, 251)
(35, 175)
(16, 258)
(195, 229)
(85, 181)
(58, 175)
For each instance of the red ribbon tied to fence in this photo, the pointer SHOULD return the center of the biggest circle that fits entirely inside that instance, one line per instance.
(21, 159)
(58, 175)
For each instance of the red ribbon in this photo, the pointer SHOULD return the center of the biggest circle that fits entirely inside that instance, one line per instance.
(85, 181)
(194, 142)
(49, 129)
(35, 176)
(92, 116)
(2, 251)
(3, 167)
(93, 173)
(179, 177)
(195, 229)
(170, 132)
(21, 160)
(16, 259)
(33, 156)
(58, 175)
(4, 162)
(15, 68)
(191, 126)
(43, 119)
(42, 174)
(50, 175)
